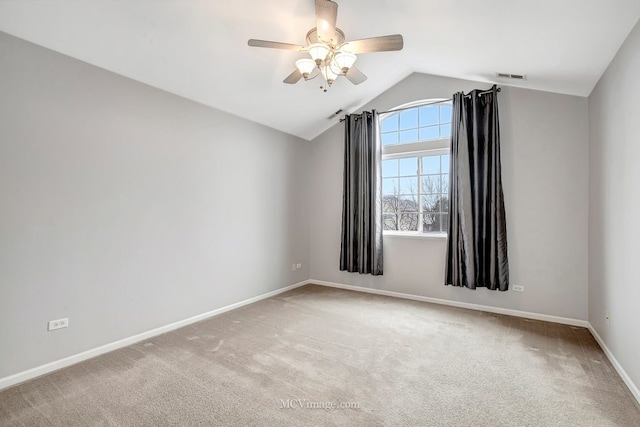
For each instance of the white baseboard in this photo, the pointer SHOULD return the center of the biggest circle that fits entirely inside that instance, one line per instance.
(68, 361)
(498, 310)
(619, 369)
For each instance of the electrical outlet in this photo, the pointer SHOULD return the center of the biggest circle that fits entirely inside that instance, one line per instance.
(518, 288)
(52, 325)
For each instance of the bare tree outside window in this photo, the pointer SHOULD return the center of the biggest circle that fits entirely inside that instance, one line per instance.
(400, 212)
(404, 208)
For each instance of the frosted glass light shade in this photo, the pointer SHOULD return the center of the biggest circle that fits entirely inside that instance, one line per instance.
(329, 74)
(305, 66)
(318, 52)
(345, 60)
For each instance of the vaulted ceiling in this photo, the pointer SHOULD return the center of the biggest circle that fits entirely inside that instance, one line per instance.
(198, 49)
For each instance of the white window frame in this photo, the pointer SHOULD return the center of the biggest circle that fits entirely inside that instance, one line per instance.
(418, 149)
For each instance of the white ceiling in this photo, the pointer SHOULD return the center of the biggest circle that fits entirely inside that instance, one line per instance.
(198, 49)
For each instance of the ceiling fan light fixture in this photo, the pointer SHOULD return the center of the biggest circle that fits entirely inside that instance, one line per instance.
(345, 60)
(319, 52)
(305, 66)
(330, 53)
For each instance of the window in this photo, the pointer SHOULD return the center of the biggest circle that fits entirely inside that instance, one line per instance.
(415, 168)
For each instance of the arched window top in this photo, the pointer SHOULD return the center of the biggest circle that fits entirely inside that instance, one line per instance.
(425, 120)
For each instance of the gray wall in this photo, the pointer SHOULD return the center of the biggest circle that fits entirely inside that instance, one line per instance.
(126, 208)
(545, 161)
(614, 206)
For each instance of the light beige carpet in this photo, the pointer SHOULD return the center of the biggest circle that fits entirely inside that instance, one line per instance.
(323, 356)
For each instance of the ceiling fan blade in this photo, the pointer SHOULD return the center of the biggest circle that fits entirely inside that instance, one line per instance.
(275, 45)
(293, 77)
(375, 44)
(355, 76)
(326, 16)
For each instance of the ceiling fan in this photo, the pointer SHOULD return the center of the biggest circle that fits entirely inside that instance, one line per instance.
(331, 55)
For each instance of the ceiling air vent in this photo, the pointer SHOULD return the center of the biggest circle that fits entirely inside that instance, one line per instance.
(335, 114)
(511, 76)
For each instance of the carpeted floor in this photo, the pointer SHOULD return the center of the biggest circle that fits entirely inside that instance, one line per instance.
(323, 356)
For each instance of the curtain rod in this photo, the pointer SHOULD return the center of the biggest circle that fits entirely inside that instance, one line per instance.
(430, 103)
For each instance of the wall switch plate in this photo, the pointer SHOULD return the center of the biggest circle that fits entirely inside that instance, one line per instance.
(52, 325)
(298, 266)
(518, 288)
(293, 267)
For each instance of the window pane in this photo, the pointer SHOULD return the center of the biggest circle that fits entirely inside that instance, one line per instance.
(437, 204)
(445, 163)
(390, 186)
(430, 203)
(408, 185)
(445, 131)
(432, 223)
(444, 203)
(409, 119)
(408, 136)
(389, 138)
(408, 204)
(428, 133)
(409, 167)
(430, 164)
(390, 204)
(389, 168)
(429, 115)
(444, 223)
(390, 222)
(445, 183)
(431, 184)
(445, 114)
(390, 123)
(409, 222)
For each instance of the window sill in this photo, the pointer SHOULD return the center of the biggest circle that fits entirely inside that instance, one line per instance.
(415, 235)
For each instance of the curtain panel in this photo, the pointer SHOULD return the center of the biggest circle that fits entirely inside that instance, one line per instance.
(477, 234)
(361, 239)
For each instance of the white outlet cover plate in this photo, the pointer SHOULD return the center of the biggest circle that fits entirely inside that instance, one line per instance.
(52, 325)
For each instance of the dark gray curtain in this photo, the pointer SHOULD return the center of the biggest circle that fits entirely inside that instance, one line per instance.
(361, 246)
(477, 235)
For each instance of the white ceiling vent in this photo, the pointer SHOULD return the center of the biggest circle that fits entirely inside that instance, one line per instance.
(511, 76)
